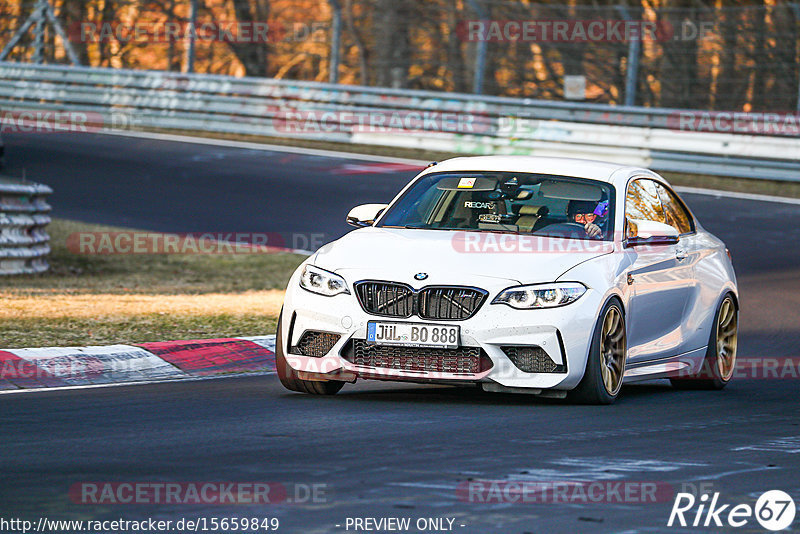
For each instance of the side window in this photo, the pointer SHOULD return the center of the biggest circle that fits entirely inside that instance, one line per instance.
(676, 213)
(643, 202)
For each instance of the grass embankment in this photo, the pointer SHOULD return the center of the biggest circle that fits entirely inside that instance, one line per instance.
(106, 299)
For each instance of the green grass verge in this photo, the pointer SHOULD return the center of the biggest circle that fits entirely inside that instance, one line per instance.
(151, 273)
(104, 299)
(81, 331)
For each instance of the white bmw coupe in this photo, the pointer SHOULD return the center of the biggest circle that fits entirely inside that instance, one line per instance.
(519, 274)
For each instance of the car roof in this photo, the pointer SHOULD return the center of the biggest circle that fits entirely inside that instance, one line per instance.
(578, 168)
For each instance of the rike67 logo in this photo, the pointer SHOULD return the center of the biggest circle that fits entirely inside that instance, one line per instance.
(774, 510)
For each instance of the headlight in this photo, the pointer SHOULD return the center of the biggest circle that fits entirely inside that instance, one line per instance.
(541, 295)
(321, 281)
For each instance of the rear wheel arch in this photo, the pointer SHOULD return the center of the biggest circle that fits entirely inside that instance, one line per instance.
(711, 374)
(726, 291)
(733, 295)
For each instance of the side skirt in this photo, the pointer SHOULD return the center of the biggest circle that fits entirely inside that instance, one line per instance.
(665, 367)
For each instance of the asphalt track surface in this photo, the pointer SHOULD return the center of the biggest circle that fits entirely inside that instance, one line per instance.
(386, 450)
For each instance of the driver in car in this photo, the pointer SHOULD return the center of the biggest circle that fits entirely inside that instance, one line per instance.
(587, 213)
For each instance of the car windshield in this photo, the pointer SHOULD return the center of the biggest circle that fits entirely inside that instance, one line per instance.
(523, 203)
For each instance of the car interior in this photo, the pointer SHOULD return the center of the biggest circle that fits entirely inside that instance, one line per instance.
(508, 202)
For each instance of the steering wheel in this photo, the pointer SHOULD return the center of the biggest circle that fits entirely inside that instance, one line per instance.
(567, 229)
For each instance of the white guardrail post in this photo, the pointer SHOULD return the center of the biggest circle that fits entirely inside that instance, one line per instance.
(23, 216)
(102, 99)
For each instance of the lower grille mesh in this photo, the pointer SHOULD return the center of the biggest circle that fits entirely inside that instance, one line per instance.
(532, 359)
(316, 344)
(462, 360)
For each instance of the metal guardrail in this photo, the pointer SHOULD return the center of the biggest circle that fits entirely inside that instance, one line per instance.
(113, 99)
(23, 216)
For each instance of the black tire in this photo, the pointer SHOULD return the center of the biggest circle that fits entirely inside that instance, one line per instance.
(289, 378)
(592, 388)
(710, 376)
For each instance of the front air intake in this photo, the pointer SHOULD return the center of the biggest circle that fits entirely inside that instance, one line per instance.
(463, 360)
(315, 344)
(532, 359)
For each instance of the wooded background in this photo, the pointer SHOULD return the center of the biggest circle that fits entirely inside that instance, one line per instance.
(745, 56)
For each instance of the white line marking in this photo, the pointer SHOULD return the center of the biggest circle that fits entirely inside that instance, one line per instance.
(789, 444)
(79, 366)
(388, 159)
(122, 359)
(186, 378)
(268, 342)
(422, 485)
(734, 194)
(729, 473)
(265, 147)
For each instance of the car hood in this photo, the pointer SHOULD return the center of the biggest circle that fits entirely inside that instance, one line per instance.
(483, 259)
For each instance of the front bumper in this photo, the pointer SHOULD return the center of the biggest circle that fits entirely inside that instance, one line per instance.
(563, 333)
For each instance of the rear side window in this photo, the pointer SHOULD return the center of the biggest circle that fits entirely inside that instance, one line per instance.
(675, 212)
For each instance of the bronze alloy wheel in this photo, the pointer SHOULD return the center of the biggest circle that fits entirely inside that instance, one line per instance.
(719, 362)
(612, 350)
(727, 332)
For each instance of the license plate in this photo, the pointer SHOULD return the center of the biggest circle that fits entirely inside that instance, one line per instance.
(413, 334)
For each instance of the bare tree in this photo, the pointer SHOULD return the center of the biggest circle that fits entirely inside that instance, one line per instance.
(677, 72)
(392, 44)
(253, 56)
(358, 40)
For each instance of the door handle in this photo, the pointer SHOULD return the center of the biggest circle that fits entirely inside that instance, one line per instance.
(681, 254)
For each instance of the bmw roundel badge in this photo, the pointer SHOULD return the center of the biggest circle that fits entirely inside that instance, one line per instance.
(420, 276)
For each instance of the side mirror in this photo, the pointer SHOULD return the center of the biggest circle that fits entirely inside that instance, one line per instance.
(365, 214)
(642, 232)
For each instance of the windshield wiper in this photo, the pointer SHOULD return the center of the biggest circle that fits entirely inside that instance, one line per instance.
(506, 229)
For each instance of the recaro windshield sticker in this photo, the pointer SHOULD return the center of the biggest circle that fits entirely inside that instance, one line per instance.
(479, 205)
